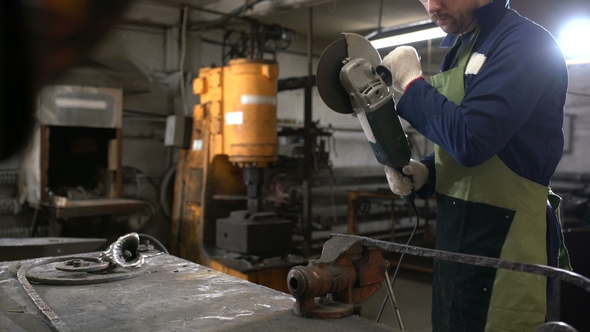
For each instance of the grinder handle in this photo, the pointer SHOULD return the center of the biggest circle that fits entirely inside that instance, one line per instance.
(388, 139)
(409, 198)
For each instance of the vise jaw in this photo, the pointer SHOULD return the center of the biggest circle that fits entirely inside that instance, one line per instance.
(346, 274)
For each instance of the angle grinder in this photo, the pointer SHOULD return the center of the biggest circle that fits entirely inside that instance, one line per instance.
(351, 80)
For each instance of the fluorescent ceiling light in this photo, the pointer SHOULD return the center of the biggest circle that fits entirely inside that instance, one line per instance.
(408, 38)
(573, 40)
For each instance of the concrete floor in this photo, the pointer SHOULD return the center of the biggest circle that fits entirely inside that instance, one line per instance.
(413, 291)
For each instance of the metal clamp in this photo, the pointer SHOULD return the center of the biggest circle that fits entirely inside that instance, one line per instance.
(347, 274)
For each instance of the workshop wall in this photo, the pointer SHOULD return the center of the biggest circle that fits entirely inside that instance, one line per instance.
(576, 157)
(143, 146)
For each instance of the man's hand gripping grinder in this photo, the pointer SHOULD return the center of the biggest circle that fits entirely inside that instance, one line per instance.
(350, 80)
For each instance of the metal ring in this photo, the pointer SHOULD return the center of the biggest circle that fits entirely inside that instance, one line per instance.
(72, 266)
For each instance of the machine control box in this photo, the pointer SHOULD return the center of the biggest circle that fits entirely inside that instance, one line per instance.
(178, 131)
(260, 234)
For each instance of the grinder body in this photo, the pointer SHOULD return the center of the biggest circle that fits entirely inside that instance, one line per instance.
(373, 105)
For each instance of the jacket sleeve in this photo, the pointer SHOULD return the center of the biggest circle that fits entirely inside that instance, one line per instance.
(518, 73)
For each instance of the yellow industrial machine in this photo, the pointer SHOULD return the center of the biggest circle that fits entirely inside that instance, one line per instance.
(218, 198)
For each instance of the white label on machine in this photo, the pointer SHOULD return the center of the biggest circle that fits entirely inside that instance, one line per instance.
(81, 103)
(170, 129)
(259, 99)
(362, 116)
(234, 118)
(197, 145)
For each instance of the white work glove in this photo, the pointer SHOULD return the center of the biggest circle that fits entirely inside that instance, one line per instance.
(404, 64)
(402, 185)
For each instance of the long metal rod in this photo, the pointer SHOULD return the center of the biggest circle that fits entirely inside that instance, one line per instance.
(53, 320)
(548, 271)
(393, 301)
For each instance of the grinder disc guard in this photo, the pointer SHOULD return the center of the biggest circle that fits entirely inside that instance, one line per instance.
(328, 77)
(332, 60)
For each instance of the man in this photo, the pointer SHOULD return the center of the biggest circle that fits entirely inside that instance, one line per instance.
(495, 114)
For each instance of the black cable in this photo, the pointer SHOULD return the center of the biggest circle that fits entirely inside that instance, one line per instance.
(379, 26)
(185, 13)
(169, 177)
(154, 212)
(136, 171)
(401, 257)
(33, 227)
(153, 239)
(234, 13)
(216, 42)
(142, 113)
(333, 201)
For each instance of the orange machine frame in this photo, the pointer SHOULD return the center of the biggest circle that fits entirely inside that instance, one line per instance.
(234, 126)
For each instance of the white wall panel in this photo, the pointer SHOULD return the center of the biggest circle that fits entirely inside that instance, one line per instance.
(577, 157)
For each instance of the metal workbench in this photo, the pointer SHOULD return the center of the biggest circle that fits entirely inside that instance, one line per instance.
(168, 294)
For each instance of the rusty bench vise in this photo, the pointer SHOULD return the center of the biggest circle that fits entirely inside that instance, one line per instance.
(347, 274)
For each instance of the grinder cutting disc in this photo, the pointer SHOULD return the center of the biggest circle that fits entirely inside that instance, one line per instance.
(332, 60)
(328, 77)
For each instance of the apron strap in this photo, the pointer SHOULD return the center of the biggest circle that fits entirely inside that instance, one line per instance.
(563, 259)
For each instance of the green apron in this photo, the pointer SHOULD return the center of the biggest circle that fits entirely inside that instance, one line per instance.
(486, 210)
